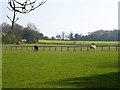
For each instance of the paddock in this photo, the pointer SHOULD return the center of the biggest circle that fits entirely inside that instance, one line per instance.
(60, 66)
(59, 69)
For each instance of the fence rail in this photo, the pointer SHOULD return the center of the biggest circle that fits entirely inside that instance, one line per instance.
(62, 48)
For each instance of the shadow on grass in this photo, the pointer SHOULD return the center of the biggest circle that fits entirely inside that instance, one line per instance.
(109, 80)
(97, 82)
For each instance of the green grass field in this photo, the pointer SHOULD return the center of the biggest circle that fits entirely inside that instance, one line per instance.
(60, 69)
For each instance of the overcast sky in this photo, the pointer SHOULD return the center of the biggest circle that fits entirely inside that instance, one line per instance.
(77, 16)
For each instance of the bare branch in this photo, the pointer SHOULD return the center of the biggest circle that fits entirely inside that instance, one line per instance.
(15, 14)
(16, 20)
(22, 8)
(25, 7)
(30, 3)
(9, 18)
(10, 9)
(33, 8)
(19, 3)
(10, 3)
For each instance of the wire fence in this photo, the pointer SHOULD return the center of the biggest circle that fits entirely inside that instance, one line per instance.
(61, 48)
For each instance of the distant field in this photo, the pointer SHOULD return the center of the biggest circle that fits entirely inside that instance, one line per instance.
(86, 69)
(77, 42)
(60, 42)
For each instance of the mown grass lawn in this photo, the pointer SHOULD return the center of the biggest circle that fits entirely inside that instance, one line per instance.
(60, 69)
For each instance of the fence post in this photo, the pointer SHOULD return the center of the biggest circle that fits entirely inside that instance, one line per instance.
(55, 48)
(16, 47)
(26, 47)
(68, 48)
(43, 48)
(21, 48)
(6, 47)
(87, 48)
(49, 48)
(74, 48)
(61, 48)
(101, 48)
(116, 48)
(109, 48)
(32, 48)
(11, 47)
(81, 48)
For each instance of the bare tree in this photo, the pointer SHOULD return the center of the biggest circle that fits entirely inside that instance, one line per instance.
(63, 35)
(22, 7)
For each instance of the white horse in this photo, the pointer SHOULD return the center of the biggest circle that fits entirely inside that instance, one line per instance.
(92, 47)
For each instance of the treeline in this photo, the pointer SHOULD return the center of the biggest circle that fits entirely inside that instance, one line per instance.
(100, 35)
(30, 34)
(27, 34)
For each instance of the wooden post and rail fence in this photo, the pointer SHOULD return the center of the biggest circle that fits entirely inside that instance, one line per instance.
(62, 48)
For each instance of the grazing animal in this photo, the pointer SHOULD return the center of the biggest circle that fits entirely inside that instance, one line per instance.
(92, 47)
(18, 43)
(36, 48)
